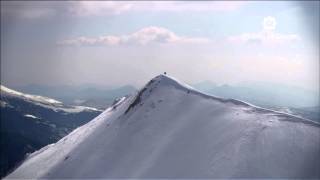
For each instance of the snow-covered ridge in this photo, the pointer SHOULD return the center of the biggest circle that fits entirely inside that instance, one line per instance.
(41, 99)
(165, 80)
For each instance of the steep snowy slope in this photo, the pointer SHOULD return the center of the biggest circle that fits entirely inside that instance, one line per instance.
(169, 130)
(30, 122)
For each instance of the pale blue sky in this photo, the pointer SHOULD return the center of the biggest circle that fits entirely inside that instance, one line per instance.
(130, 42)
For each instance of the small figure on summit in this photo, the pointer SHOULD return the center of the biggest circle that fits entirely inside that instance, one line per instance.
(165, 73)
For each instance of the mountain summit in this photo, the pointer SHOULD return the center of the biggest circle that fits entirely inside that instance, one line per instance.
(170, 130)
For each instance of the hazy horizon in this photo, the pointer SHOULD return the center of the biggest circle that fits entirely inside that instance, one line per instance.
(249, 84)
(112, 44)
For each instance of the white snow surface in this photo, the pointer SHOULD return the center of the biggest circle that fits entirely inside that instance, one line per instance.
(3, 104)
(31, 116)
(169, 130)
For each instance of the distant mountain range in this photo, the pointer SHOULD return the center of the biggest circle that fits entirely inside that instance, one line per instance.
(289, 99)
(80, 95)
(170, 130)
(29, 122)
(263, 93)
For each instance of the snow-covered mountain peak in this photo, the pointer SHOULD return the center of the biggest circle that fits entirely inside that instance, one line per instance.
(161, 84)
(165, 80)
(169, 130)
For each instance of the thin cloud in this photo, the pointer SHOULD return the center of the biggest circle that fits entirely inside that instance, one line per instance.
(147, 35)
(28, 10)
(93, 8)
(43, 9)
(266, 36)
(85, 8)
(263, 38)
